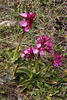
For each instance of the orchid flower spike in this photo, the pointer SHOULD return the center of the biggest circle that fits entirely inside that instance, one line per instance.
(27, 24)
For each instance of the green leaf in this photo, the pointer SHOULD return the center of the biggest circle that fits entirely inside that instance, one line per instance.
(23, 88)
(23, 83)
(24, 70)
(2, 98)
(2, 92)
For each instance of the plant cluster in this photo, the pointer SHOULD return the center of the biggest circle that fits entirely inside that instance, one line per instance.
(31, 74)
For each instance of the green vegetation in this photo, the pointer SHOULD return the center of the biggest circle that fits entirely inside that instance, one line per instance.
(50, 83)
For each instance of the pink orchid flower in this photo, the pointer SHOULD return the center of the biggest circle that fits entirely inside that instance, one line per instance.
(30, 52)
(57, 60)
(27, 24)
(44, 44)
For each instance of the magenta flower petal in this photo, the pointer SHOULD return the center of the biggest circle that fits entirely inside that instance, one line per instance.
(57, 60)
(39, 38)
(38, 45)
(42, 52)
(23, 23)
(50, 53)
(26, 29)
(47, 38)
(24, 15)
(22, 55)
(49, 43)
(25, 51)
(60, 63)
(48, 49)
(32, 14)
(56, 55)
(56, 64)
(35, 50)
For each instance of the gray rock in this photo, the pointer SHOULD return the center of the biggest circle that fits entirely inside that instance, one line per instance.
(8, 23)
(19, 98)
(1, 81)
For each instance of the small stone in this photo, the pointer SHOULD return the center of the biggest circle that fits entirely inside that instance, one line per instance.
(19, 98)
(8, 23)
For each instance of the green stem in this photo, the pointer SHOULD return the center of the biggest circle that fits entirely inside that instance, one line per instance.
(30, 67)
(17, 48)
(46, 69)
(37, 61)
